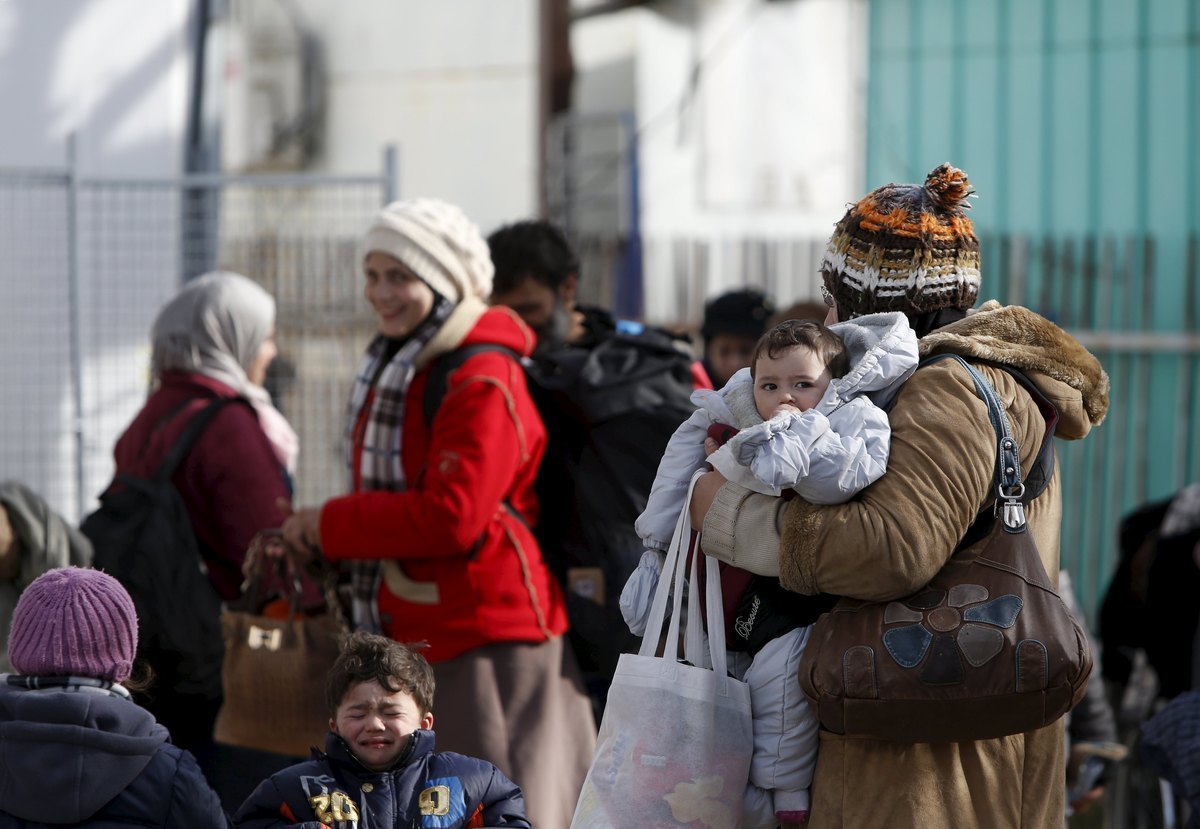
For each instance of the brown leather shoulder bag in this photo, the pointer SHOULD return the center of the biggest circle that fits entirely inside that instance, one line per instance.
(274, 671)
(986, 649)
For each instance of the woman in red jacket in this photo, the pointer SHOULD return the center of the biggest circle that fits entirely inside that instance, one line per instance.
(214, 339)
(438, 522)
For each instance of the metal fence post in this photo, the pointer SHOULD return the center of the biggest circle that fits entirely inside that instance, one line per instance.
(391, 173)
(76, 315)
(630, 292)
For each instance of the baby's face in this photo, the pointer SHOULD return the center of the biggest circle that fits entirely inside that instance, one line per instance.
(795, 380)
(376, 723)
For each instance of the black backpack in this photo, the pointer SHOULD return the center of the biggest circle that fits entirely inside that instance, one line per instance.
(610, 404)
(143, 537)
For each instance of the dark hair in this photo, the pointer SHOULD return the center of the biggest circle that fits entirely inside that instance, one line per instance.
(395, 666)
(742, 313)
(809, 309)
(810, 334)
(141, 679)
(532, 248)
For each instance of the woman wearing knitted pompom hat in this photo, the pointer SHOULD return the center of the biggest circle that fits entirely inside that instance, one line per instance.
(437, 527)
(74, 747)
(911, 248)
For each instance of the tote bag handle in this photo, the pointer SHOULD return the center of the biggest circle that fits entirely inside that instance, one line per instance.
(675, 580)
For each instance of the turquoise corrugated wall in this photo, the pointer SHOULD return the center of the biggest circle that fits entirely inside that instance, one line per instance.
(1077, 121)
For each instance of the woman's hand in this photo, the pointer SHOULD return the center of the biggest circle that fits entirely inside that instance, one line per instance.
(703, 495)
(301, 529)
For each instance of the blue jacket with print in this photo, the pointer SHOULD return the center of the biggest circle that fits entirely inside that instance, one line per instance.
(423, 789)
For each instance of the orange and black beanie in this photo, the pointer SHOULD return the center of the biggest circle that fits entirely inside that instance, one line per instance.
(906, 247)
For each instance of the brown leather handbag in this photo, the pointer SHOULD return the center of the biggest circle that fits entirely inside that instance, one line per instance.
(986, 649)
(273, 674)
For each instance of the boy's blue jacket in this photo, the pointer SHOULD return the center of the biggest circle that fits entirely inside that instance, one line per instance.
(423, 789)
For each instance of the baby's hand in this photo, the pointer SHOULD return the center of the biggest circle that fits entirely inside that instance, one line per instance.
(710, 446)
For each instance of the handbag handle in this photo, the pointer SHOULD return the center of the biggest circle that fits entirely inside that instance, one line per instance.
(258, 564)
(671, 586)
(1007, 476)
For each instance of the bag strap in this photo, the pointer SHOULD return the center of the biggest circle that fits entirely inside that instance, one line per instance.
(675, 579)
(1010, 489)
(1039, 475)
(191, 432)
(672, 571)
(438, 381)
(1042, 469)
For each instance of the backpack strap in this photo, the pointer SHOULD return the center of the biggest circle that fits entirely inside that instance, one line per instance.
(438, 383)
(439, 373)
(188, 437)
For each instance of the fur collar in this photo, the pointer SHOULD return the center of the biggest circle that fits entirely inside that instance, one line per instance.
(1017, 337)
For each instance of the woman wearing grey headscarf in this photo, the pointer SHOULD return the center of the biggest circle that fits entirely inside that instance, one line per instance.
(222, 325)
(214, 339)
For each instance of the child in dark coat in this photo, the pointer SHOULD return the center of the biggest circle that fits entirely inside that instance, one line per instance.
(75, 749)
(379, 768)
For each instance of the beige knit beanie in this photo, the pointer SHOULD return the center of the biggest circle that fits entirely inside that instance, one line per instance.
(437, 242)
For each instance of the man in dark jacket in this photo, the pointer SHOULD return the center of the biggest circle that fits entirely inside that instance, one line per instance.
(379, 768)
(611, 393)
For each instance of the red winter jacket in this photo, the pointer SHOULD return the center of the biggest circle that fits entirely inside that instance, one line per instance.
(462, 567)
(230, 479)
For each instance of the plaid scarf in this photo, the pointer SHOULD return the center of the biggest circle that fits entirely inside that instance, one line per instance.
(380, 466)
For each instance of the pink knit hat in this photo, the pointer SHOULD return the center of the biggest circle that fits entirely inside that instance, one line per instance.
(74, 622)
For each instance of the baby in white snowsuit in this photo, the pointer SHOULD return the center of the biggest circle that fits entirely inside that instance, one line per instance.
(810, 418)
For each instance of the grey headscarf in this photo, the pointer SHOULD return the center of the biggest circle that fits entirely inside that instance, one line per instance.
(215, 326)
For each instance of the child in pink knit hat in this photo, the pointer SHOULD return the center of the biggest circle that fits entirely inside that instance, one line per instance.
(74, 747)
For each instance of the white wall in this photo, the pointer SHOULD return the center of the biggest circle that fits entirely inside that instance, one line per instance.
(115, 73)
(452, 84)
(767, 139)
(750, 125)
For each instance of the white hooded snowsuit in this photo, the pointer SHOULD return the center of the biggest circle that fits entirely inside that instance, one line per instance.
(826, 454)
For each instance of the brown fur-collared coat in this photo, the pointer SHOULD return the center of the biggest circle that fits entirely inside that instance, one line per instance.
(891, 539)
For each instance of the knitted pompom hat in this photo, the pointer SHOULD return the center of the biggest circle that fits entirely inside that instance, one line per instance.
(906, 247)
(437, 242)
(74, 622)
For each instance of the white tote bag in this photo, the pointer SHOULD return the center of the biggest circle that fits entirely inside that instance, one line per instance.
(675, 743)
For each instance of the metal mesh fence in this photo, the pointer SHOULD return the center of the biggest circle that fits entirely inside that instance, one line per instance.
(36, 415)
(681, 273)
(85, 264)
